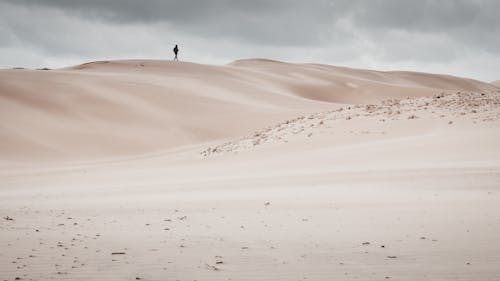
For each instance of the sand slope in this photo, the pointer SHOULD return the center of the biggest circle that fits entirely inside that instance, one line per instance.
(442, 110)
(122, 108)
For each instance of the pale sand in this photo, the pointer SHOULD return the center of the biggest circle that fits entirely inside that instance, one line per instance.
(400, 189)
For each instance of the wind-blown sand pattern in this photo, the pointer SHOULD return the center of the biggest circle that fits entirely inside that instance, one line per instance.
(257, 170)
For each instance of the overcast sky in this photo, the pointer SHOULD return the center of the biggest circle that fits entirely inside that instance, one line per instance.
(460, 37)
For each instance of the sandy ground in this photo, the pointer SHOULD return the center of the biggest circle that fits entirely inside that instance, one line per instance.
(384, 187)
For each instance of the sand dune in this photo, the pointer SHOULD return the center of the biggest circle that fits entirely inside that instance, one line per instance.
(496, 83)
(347, 85)
(112, 109)
(131, 107)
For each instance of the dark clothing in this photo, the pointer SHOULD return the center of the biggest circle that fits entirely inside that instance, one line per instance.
(176, 50)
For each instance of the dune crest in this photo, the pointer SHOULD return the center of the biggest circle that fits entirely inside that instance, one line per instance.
(469, 108)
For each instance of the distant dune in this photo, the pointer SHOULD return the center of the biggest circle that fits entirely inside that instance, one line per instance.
(121, 108)
(496, 83)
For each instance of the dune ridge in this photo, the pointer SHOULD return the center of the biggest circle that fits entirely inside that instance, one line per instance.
(470, 108)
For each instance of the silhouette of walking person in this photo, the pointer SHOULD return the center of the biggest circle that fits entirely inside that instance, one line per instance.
(176, 50)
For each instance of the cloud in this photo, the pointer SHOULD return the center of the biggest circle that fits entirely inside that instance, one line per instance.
(272, 22)
(467, 22)
(453, 36)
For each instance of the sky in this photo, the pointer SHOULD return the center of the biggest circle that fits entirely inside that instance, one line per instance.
(458, 37)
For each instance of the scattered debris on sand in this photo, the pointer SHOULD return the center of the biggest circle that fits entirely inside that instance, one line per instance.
(212, 267)
(473, 107)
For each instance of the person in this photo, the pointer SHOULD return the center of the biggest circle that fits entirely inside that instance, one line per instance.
(176, 50)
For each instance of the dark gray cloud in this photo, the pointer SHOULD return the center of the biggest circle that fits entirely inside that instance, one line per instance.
(454, 36)
(277, 22)
(469, 22)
